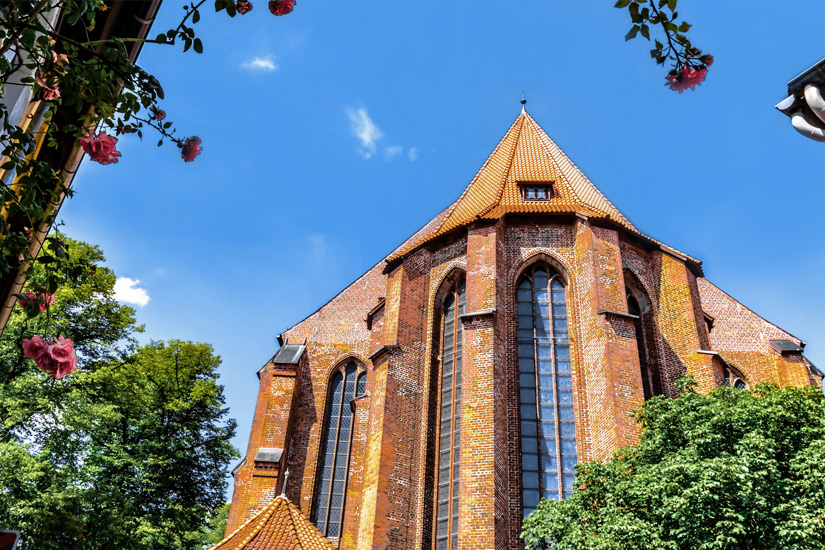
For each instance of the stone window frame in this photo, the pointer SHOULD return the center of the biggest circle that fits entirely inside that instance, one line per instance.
(734, 378)
(644, 324)
(358, 390)
(454, 286)
(554, 274)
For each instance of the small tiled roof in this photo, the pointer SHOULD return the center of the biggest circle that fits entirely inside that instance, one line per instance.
(525, 154)
(279, 526)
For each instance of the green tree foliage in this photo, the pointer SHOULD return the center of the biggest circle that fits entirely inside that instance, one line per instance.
(130, 451)
(730, 470)
(217, 526)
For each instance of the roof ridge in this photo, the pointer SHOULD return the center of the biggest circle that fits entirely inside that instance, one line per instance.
(298, 541)
(472, 181)
(241, 526)
(258, 530)
(543, 139)
(506, 175)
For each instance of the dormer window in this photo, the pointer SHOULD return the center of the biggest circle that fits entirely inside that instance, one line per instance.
(541, 191)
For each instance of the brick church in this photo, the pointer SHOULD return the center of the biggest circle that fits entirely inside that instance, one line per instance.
(438, 398)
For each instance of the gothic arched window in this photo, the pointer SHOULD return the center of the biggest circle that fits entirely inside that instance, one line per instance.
(548, 429)
(634, 309)
(331, 489)
(449, 438)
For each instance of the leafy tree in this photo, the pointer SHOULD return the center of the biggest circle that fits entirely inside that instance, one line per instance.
(130, 451)
(217, 527)
(733, 469)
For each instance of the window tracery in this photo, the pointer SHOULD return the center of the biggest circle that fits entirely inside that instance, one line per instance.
(449, 433)
(548, 430)
(346, 384)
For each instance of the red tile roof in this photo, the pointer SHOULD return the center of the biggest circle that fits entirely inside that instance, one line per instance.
(279, 526)
(525, 154)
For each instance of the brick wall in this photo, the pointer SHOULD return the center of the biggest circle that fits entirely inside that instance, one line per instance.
(271, 427)
(390, 494)
(742, 338)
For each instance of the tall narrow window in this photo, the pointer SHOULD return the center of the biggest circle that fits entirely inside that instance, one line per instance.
(449, 458)
(548, 430)
(335, 450)
(634, 309)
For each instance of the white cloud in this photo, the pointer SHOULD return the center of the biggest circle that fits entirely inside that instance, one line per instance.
(266, 64)
(126, 290)
(365, 130)
(412, 154)
(393, 150)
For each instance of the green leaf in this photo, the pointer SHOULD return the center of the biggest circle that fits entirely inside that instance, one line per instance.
(634, 13)
(684, 27)
(671, 4)
(622, 4)
(196, 16)
(632, 34)
(646, 32)
(198, 45)
(27, 38)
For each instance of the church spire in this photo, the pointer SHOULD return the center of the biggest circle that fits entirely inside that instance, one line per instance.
(525, 157)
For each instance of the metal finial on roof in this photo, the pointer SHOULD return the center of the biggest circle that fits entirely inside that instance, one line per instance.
(283, 489)
(523, 102)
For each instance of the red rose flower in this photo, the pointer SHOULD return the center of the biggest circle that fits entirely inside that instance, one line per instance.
(243, 6)
(281, 7)
(191, 148)
(707, 59)
(100, 148)
(158, 114)
(684, 78)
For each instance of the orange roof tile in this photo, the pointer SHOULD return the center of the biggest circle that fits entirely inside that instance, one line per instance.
(279, 526)
(525, 154)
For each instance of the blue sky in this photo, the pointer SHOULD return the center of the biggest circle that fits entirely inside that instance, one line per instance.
(361, 120)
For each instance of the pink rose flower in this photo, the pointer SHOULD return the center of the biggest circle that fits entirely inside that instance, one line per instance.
(58, 358)
(61, 350)
(48, 86)
(42, 297)
(685, 78)
(158, 114)
(34, 347)
(191, 148)
(25, 301)
(100, 148)
(281, 7)
(243, 6)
